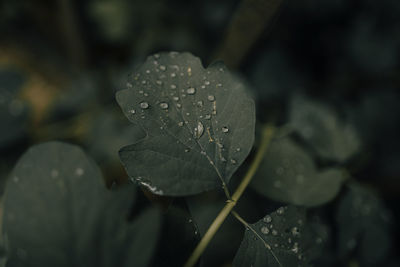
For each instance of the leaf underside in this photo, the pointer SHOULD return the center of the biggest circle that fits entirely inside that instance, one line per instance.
(58, 212)
(199, 124)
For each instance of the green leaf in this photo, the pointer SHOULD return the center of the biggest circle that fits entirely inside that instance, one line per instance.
(57, 212)
(279, 239)
(199, 124)
(321, 128)
(288, 174)
(364, 226)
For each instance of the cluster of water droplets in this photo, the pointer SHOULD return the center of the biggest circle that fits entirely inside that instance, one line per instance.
(175, 91)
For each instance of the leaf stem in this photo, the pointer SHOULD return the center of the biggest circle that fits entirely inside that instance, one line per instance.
(267, 133)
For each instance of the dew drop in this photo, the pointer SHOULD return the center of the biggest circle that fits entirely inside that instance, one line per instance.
(225, 129)
(191, 91)
(295, 231)
(267, 219)
(163, 105)
(173, 74)
(200, 104)
(198, 131)
(280, 211)
(79, 171)
(180, 124)
(208, 117)
(132, 111)
(264, 230)
(175, 98)
(238, 149)
(163, 68)
(158, 82)
(233, 161)
(207, 83)
(173, 86)
(274, 232)
(211, 98)
(144, 105)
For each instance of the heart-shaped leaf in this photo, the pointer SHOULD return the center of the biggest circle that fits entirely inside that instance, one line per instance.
(288, 174)
(279, 239)
(364, 224)
(57, 212)
(321, 128)
(199, 124)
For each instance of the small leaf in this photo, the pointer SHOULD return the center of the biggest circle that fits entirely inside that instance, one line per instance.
(320, 127)
(279, 239)
(288, 174)
(57, 212)
(364, 225)
(199, 124)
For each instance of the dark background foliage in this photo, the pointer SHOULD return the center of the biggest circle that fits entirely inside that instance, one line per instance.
(62, 61)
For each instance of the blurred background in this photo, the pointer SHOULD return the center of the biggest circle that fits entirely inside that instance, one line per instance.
(62, 61)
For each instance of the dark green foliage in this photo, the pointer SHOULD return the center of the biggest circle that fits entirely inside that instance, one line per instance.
(288, 174)
(364, 226)
(197, 121)
(282, 238)
(57, 212)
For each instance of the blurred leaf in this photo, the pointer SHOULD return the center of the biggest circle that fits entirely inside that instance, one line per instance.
(198, 121)
(320, 127)
(364, 226)
(288, 174)
(279, 239)
(57, 212)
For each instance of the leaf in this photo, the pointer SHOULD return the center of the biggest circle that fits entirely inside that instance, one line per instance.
(279, 239)
(364, 226)
(57, 212)
(198, 121)
(320, 127)
(288, 174)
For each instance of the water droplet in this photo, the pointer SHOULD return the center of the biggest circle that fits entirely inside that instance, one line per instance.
(178, 105)
(129, 85)
(238, 149)
(280, 211)
(267, 219)
(159, 82)
(144, 105)
(163, 105)
(264, 230)
(200, 104)
(163, 68)
(198, 131)
(295, 231)
(175, 98)
(173, 74)
(189, 71)
(147, 71)
(211, 98)
(207, 83)
(233, 161)
(187, 150)
(274, 232)
(203, 152)
(173, 86)
(156, 56)
(225, 129)
(79, 171)
(191, 91)
(180, 124)
(132, 111)
(207, 117)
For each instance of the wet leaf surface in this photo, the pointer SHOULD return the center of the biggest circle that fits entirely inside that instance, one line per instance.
(198, 121)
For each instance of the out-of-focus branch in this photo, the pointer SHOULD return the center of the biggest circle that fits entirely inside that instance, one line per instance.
(248, 23)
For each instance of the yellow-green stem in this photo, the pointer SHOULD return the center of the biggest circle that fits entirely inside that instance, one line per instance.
(267, 133)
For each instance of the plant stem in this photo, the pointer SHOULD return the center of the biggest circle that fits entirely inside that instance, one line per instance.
(267, 133)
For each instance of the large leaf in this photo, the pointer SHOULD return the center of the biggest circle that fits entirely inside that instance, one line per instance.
(57, 212)
(321, 128)
(288, 174)
(279, 239)
(199, 124)
(364, 226)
